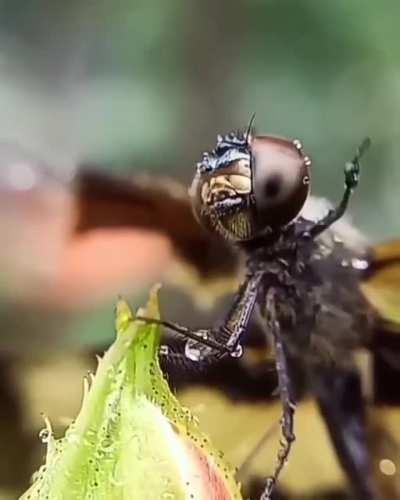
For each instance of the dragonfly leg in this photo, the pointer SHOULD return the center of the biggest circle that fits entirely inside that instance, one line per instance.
(202, 336)
(351, 177)
(224, 339)
(286, 391)
(173, 357)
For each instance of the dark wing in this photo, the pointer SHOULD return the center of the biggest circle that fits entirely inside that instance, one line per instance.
(76, 243)
(205, 265)
(72, 245)
(156, 204)
(347, 267)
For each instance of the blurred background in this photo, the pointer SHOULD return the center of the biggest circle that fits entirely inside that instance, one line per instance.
(145, 86)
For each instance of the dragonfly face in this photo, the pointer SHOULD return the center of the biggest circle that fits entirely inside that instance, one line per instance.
(248, 185)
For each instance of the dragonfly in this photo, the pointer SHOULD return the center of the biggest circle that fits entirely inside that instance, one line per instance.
(250, 190)
(307, 283)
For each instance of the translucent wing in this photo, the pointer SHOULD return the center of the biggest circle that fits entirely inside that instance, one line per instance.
(381, 282)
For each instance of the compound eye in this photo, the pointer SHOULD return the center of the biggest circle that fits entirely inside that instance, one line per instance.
(280, 180)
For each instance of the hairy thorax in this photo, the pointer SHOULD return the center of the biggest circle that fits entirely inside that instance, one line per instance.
(314, 290)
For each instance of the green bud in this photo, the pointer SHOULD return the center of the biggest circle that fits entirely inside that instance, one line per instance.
(132, 439)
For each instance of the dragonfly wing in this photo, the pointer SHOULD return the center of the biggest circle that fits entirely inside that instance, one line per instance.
(381, 283)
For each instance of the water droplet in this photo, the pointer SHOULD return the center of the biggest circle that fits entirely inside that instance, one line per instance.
(196, 351)
(238, 352)
(337, 239)
(387, 467)
(297, 144)
(164, 350)
(192, 350)
(359, 264)
(44, 435)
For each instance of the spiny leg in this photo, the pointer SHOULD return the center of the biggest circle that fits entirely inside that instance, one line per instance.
(173, 360)
(224, 339)
(286, 395)
(201, 336)
(351, 178)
